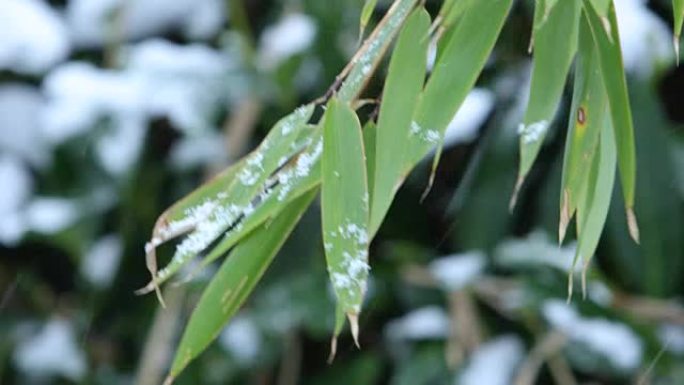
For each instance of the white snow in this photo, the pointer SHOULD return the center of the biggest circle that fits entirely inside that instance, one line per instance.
(20, 107)
(91, 22)
(646, 40)
(493, 363)
(533, 132)
(197, 150)
(100, 263)
(17, 189)
(51, 215)
(454, 272)
(53, 351)
(242, 339)
(612, 340)
(535, 250)
(32, 38)
(292, 34)
(469, 118)
(427, 323)
(672, 338)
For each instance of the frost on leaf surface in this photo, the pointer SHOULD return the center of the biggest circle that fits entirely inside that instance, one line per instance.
(533, 132)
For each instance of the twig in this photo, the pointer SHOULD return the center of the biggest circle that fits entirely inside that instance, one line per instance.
(544, 350)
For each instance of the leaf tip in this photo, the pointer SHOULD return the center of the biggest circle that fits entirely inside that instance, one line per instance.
(516, 191)
(632, 224)
(333, 349)
(354, 325)
(675, 42)
(151, 262)
(169, 380)
(571, 280)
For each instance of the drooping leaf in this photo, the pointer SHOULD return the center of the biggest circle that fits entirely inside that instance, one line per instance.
(402, 87)
(555, 40)
(370, 130)
(678, 11)
(233, 282)
(598, 196)
(587, 116)
(344, 209)
(224, 205)
(454, 74)
(605, 32)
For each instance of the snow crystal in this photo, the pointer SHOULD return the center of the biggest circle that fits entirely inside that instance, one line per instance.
(51, 215)
(426, 135)
(294, 33)
(456, 271)
(32, 38)
(613, 340)
(645, 38)
(100, 263)
(242, 339)
(533, 132)
(535, 250)
(90, 22)
(53, 351)
(471, 115)
(494, 363)
(430, 322)
(20, 107)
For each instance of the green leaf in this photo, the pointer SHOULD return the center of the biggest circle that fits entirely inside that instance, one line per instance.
(233, 282)
(344, 208)
(370, 130)
(587, 117)
(607, 38)
(555, 42)
(373, 49)
(455, 73)
(402, 87)
(217, 206)
(366, 13)
(678, 11)
(597, 202)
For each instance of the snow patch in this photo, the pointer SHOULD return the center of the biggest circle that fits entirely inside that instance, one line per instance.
(471, 115)
(53, 351)
(535, 250)
(533, 132)
(33, 37)
(427, 323)
(20, 108)
(614, 341)
(100, 263)
(493, 363)
(51, 215)
(672, 338)
(457, 271)
(242, 339)
(291, 35)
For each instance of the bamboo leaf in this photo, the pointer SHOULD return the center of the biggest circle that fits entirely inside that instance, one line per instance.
(678, 11)
(607, 38)
(234, 281)
(344, 208)
(402, 87)
(587, 117)
(370, 130)
(373, 49)
(455, 73)
(225, 205)
(599, 193)
(555, 40)
(366, 13)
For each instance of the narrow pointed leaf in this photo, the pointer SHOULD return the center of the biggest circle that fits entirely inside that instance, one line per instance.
(678, 10)
(605, 32)
(555, 43)
(234, 281)
(370, 130)
(455, 73)
(225, 207)
(587, 117)
(344, 207)
(402, 87)
(599, 193)
(366, 13)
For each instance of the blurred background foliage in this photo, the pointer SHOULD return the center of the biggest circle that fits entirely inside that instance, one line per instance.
(111, 110)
